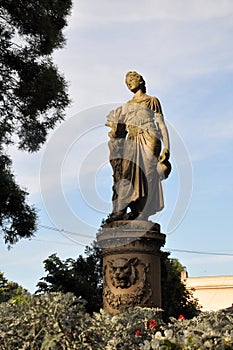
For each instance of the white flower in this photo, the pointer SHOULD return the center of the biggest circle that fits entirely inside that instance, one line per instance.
(158, 335)
(168, 333)
(146, 345)
(155, 343)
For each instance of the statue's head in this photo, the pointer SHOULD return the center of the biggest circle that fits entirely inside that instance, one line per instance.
(135, 81)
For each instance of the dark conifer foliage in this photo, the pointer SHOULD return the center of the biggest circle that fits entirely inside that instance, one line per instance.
(33, 95)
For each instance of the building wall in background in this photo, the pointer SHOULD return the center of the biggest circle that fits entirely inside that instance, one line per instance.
(212, 292)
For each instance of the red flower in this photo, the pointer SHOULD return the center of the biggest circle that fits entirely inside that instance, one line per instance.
(153, 324)
(181, 317)
(138, 332)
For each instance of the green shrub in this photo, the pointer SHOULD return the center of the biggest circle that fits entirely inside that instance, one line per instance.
(55, 321)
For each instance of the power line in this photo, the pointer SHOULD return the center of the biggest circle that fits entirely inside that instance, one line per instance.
(168, 249)
(198, 252)
(62, 231)
(58, 242)
(88, 236)
(65, 231)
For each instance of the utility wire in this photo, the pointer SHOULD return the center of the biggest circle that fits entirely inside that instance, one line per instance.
(58, 242)
(198, 252)
(88, 236)
(65, 231)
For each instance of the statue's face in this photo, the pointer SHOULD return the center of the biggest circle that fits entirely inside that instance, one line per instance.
(133, 82)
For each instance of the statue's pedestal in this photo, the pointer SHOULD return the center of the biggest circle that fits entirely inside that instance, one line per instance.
(131, 264)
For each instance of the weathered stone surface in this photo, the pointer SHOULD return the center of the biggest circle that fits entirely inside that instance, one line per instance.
(131, 264)
(139, 155)
(138, 132)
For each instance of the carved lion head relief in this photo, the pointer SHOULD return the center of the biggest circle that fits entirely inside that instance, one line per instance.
(123, 272)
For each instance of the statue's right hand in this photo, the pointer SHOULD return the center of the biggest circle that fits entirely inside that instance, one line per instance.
(165, 155)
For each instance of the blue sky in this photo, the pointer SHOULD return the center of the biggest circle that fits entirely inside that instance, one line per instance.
(184, 51)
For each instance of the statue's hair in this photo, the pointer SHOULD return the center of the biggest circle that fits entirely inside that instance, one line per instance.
(140, 79)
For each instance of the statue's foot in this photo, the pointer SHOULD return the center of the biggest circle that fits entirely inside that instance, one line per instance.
(130, 216)
(136, 215)
(142, 217)
(115, 216)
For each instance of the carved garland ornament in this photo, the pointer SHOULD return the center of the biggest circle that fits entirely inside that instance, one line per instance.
(126, 282)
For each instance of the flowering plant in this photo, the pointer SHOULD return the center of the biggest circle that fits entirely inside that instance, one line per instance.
(57, 321)
(209, 330)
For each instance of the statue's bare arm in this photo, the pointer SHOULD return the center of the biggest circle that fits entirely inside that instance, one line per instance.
(164, 133)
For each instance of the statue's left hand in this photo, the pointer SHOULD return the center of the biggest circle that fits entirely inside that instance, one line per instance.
(164, 166)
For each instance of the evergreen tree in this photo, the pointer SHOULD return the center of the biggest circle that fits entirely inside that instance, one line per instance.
(33, 96)
(17, 218)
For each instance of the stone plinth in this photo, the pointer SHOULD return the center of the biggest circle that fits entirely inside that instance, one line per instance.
(131, 264)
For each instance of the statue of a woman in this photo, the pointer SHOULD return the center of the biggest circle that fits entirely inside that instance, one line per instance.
(137, 129)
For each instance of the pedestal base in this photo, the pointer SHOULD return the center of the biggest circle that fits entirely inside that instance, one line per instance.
(131, 264)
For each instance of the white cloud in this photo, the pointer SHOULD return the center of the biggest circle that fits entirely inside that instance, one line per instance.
(176, 41)
(105, 12)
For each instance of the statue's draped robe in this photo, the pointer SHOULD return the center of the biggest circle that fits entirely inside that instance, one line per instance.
(134, 149)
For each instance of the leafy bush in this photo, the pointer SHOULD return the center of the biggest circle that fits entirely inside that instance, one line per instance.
(55, 321)
(52, 321)
(209, 330)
